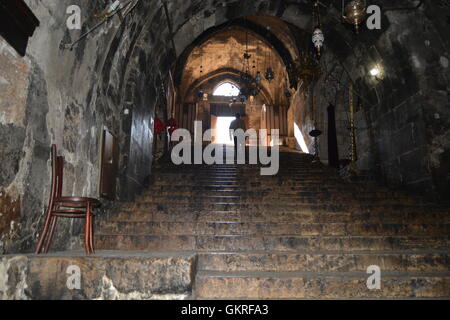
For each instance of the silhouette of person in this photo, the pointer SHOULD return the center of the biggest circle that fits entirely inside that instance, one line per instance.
(236, 124)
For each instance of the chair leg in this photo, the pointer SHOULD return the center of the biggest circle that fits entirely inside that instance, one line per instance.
(87, 248)
(91, 233)
(45, 230)
(52, 233)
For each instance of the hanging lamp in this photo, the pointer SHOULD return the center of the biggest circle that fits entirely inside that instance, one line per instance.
(270, 75)
(318, 37)
(354, 12)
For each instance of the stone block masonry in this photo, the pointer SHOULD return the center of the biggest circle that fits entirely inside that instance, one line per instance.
(105, 276)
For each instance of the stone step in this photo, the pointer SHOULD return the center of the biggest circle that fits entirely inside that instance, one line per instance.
(324, 179)
(275, 190)
(274, 185)
(301, 215)
(242, 199)
(255, 228)
(218, 190)
(214, 189)
(277, 243)
(330, 261)
(305, 285)
(296, 181)
(277, 208)
(313, 176)
(104, 275)
(193, 174)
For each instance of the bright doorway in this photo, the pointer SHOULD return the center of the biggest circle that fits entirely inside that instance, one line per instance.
(222, 126)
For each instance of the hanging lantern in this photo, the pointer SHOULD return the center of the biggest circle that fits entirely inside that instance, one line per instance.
(243, 91)
(200, 94)
(354, 12)
(287, 93)
(258, 77)
(270, 75)
(254, 91)
(318, 39)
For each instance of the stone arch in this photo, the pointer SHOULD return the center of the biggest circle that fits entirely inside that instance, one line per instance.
(256, 30)
(222, 75)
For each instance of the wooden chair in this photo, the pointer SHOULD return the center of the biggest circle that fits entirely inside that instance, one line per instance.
(66, 207)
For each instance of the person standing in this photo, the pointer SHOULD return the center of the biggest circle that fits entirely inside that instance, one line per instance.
(236, 124)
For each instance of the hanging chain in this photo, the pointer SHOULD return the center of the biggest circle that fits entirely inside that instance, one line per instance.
(353, 154)
(318, 14)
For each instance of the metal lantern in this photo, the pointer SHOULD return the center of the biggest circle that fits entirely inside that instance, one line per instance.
(287, 93)
(316, 134)
(318, 39)
(270, 75)
(354, 13)
(258, 77)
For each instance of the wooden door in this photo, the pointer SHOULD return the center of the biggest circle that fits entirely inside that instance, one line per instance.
(109, 166)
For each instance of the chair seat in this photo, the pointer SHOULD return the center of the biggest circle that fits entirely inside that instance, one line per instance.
(77, 202)
(69, 213)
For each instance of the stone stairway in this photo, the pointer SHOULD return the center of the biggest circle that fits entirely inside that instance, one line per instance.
(303, 233)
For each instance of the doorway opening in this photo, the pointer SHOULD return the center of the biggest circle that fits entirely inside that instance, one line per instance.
(222, 130)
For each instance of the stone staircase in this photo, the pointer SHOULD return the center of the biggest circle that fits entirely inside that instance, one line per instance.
(303, 233)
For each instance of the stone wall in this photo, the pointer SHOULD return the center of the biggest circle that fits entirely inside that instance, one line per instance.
(402, 120)
(67, 97)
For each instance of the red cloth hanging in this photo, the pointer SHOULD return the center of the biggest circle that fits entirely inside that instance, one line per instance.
(159, 126)
(172, 125)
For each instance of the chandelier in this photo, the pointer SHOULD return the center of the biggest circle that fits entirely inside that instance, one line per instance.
(251, 85)
(270, 74)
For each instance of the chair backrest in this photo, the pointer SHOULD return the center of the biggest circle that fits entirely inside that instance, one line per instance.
(57, 173)
(60, 174)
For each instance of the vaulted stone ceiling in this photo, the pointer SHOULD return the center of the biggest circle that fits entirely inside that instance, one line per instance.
(225, 51)
(222, 52)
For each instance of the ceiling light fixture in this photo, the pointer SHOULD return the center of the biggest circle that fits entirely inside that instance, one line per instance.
(376, 73)
(354, 12)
